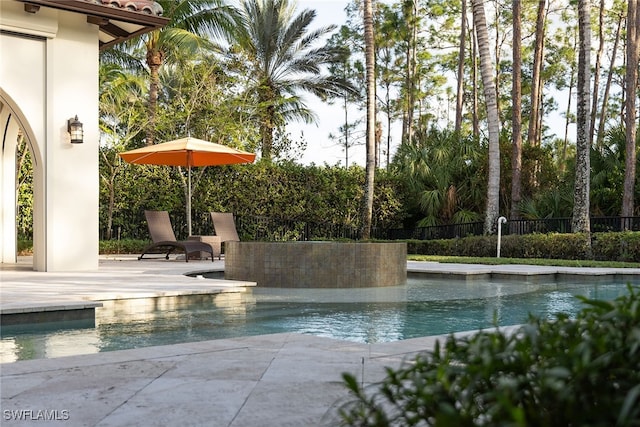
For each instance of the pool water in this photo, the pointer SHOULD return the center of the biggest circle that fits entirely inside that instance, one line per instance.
(420, 308)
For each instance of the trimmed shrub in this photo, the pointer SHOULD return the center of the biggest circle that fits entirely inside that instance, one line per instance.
(618, 246)
(552, 245)
(624, 246)
(563, 372)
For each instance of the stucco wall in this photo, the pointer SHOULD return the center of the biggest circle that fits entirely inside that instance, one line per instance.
(49, 74)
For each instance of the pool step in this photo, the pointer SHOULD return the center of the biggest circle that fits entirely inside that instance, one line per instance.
(52, 312)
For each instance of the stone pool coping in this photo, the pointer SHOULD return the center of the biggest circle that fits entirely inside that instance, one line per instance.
(506, 271)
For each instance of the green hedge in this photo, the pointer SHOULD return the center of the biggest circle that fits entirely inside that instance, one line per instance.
(624, 246)
(125, 246)
(285, 191)
(617, 246)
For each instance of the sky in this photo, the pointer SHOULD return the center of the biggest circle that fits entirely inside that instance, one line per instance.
(320, 149)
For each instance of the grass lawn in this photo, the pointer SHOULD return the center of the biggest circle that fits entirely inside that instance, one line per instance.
(526, 261)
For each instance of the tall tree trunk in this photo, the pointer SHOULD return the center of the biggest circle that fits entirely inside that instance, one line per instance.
(389, 122)
(155, 59)
(496, 51)
(267, 140)
(378, 135)
(565, 142)
(516, 95)
(346, 131)
(414, 63)
(486, 69)
(367, 205)
(460, 86)
(410, 15)
(596, 72)
(532, 136)
(580, 219)
(267, 122)
(633, 44)
(607, 89)
(567, 121)
(474, 75)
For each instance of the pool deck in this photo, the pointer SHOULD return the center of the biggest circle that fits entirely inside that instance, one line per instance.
(270, 380)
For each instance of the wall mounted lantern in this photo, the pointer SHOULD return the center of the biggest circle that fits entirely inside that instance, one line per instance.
(74, 127)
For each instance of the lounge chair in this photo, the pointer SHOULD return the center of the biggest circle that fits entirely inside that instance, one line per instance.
(225, 226)
(164, 239)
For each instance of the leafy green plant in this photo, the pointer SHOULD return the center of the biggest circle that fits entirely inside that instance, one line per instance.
(124, 246)
(25, 247)
(562, 372)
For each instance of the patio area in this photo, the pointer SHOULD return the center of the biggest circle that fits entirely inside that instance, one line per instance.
(269, 380)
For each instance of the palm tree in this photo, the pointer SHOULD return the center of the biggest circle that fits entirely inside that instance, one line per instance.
(633, 50)
(284, 59)
(191, 25)
(440, 171)
(580, 222)
(516, 114)
(369, 43)
(491, 101)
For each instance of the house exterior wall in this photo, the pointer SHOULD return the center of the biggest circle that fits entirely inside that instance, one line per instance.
(48, 74)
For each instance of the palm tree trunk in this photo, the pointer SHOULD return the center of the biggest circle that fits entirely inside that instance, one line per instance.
(580, 219)
(565, 142)
(596, 72)
(607, 88)
(532, 136)
(346, 131)
(267, 97)
(491, 101)
(389, 123)
(266, 129)
(633, 44)
(474, 75)
(410, 15)
(516, 156)
(154, 61)
(367, 205)
(460, 87)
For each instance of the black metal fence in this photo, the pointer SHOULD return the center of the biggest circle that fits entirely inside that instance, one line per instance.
(522, 226)
(274, 229)
(431, 233)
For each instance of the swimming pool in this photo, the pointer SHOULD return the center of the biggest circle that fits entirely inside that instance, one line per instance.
(422, 307)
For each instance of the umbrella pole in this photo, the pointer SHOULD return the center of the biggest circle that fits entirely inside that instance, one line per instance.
(189, 200)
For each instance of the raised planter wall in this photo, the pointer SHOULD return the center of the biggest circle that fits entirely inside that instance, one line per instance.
(317, 264)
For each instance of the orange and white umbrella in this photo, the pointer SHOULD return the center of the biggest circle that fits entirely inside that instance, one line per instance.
(187, 152)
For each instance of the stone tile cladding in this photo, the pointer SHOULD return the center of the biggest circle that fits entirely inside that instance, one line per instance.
(317, 264)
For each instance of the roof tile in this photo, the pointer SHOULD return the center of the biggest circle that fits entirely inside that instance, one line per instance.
(144, 6)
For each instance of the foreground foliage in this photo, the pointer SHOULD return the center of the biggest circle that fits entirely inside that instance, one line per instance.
(564, 372)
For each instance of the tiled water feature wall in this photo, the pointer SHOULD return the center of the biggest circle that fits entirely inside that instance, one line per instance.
(317, 264)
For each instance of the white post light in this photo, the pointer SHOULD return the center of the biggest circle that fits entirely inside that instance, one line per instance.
(501, 220)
